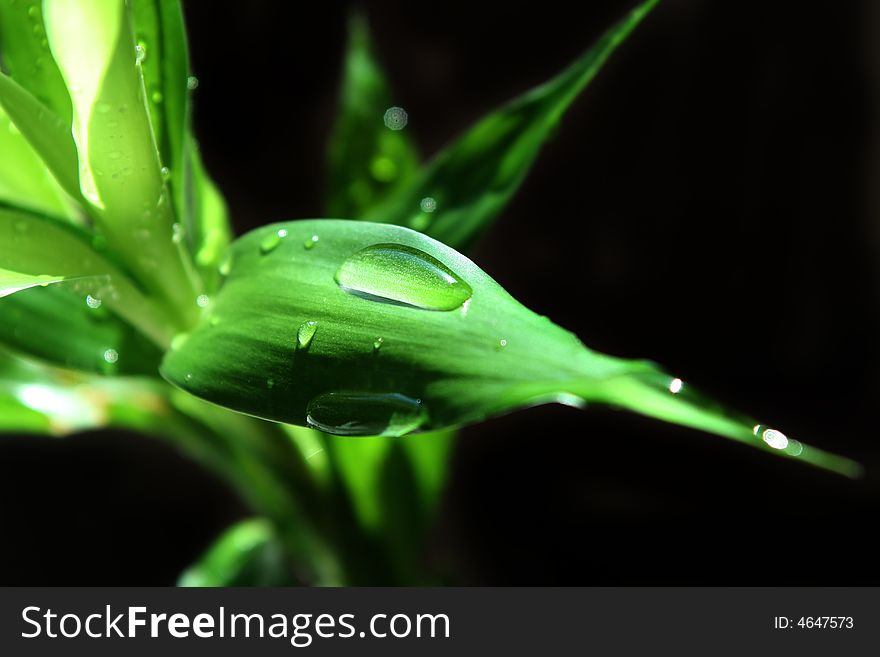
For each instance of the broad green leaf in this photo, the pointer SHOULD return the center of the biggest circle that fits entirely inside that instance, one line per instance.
(26, 58)
(359, 465)
(119, 169)
(367, 161)
(74, 330)
(294, 336)
(48, 135)
(456, 196)
(247, 554)
(37, 246)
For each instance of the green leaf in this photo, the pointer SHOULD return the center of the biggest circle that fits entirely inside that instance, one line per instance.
(209, 231)
(366, 161)
(48, 135)
(74, 330)
(37, 246)
(294, 337)
(471, 180)
(26, 58)
(38, 399)
(247, 554)
(13, 281)
(24, 180)
(120, 172)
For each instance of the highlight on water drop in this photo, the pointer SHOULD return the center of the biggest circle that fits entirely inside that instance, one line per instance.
(675, 386)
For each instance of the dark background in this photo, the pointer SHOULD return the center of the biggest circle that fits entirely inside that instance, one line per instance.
(709, 203)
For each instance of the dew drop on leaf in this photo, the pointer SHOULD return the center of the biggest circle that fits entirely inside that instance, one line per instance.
(310, 242)
(377, 344)
(272, 240)
(366, 414)
(203, 300)
(192, 82)
(395, 118)
(402, 274)
(428, 204)
(111, 356)
(305, 333)
(92, 302)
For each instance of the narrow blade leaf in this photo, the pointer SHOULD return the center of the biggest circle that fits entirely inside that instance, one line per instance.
(468, 183)
(366, 160)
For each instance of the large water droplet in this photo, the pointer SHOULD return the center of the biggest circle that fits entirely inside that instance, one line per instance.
(366, 414)
(305, 333)
(403, 274)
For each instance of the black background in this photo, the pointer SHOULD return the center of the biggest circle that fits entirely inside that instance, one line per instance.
(709, 203)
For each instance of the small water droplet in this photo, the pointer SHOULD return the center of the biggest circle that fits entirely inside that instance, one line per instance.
(192, 82)
(165, 172)
(189, 376)
(305, 333)
(33, 11)
(310, 242)
(395, 118)
(140, 52)
(776, 439)
(428, 204)
(366, 414)
(111, 356)
(405, 275)
(675, 386)
(272, 240)
(501, 344)
(203, 300)
(92, 302)
(176, 233)
(377, 344)
(157, 97)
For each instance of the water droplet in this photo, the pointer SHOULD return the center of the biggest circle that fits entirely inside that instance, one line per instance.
(176, 233)
(166, 173)
(33, 11)
(111, 356)
(203, 300)
(140, 52)
(272, 240)
(310, 243)
(366, 414)
(501, 344)
(675, 386)
(189, 376)
(157, 97)
(92, 302)
(192, 82)
(395, 118)
(305, 333)
(776, 439)
(428, 204)
(405, 275)
(377, 344)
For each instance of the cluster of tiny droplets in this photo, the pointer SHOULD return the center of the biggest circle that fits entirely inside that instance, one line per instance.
(395, 118)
